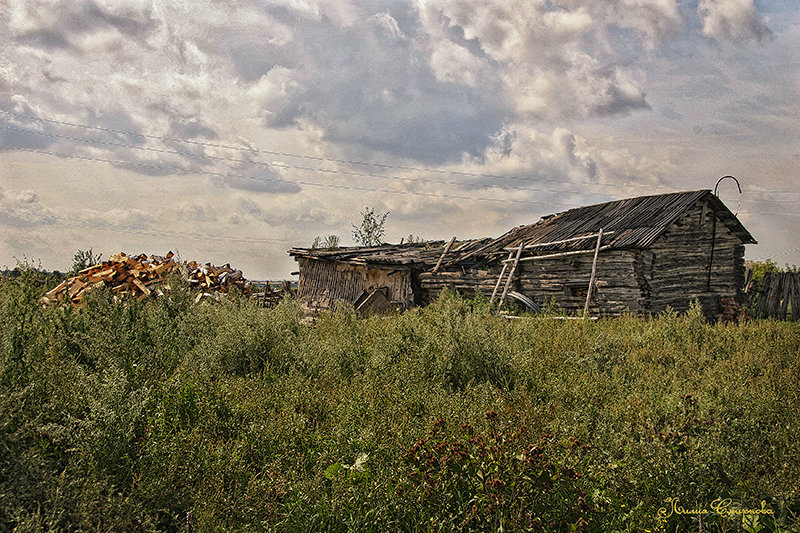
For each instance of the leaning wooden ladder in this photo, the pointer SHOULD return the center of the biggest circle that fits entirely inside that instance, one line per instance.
(513, 260)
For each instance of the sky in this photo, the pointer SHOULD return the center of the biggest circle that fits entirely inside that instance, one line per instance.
(232, 131)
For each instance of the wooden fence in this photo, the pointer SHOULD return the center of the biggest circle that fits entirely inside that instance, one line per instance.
(777, 296)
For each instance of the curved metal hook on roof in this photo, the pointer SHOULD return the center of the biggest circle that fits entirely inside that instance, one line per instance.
(716, 187)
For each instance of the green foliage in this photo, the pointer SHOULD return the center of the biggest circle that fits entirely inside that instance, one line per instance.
(414, 239)
(760, 268)
(500, 481)
(226, 416)
(331, 242)
(84, 259)
(371, 229)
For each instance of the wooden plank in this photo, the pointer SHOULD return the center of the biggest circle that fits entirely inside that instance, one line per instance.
(57, 289)
(796, 297)
(76, 286)
(511, 275)
(786, 282)
(141, 286)
(500, 279)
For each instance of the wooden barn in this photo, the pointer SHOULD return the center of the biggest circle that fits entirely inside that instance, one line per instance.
(647, 253)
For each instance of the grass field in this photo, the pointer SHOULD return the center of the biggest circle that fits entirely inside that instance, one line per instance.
(170, 416)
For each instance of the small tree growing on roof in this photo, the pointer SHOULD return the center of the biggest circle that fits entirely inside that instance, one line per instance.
(371, 230)
(331, 242)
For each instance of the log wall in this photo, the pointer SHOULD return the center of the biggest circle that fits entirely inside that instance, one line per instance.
(322, 283)
(561, 281)
(674, 271)
(468, 283)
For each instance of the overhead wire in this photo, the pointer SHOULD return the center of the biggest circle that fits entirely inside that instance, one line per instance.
(785, 252)
(165, 138)
(279, 180)
(144, 230)
(286, 166)
(247, 240)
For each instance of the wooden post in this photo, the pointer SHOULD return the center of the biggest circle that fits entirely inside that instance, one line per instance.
(511, 275)
(500, 279)
(446, 249)
(594, 271)
(787, 288)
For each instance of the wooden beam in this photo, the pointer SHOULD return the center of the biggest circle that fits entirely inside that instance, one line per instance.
(560, 254)
(500, 279)
(511, 275)
(553, 243)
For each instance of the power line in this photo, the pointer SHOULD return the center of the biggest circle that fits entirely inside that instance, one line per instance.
(785, 252)
(310, 169)
(312, 184)
(268, 152)
(280, 180)
(343, 161)
(143, 230)
(292, 167)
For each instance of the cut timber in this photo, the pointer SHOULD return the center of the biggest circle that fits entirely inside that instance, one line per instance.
(594, 271)
(561, 254)
(76, 287)
(141, 286)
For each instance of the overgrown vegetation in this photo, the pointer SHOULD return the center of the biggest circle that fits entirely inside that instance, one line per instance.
(172, 416)
(371, 229)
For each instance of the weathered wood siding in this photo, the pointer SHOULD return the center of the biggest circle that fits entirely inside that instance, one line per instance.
(468, 283)
(562, 281)
(674, 270)
(322, 283)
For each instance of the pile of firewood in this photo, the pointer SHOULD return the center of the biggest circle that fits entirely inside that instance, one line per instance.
(141, 276)
(126, 276)
(212, 280)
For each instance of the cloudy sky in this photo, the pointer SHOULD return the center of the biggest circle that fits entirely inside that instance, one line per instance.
(230, 131)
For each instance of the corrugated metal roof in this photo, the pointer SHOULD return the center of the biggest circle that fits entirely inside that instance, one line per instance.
(635, 223)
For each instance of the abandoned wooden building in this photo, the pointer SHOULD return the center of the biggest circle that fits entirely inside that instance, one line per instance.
(643, 254)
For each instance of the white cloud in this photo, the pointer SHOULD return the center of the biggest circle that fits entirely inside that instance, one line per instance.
(556, 92)
(735, 20)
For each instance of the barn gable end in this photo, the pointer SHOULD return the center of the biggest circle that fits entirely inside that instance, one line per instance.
(680, 267)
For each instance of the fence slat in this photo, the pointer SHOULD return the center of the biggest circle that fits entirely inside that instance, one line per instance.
(779, 296)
